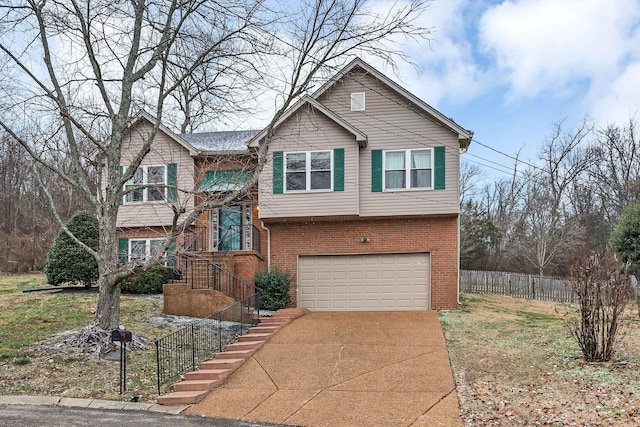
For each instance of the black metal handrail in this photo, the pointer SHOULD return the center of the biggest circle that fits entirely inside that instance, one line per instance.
(202, 273)
(195, 239)
(184, 349)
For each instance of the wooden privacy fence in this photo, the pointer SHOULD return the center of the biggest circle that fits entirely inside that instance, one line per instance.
(516, 285)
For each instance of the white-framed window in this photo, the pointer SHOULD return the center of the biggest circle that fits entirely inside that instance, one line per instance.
(408, 169)
(308, 170)
(148, 184)
(357, 101)
(144, 248)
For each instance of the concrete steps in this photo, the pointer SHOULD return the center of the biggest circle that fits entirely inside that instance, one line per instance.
(214, 372)
(254, 337)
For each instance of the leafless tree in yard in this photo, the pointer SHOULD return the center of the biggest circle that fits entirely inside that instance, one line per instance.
(81, 70)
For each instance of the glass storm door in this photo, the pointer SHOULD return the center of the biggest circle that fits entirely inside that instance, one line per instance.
(230, 228)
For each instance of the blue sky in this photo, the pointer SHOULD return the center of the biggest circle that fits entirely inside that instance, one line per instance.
(510, 70)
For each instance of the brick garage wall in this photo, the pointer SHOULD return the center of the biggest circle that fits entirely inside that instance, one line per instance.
(437, 235)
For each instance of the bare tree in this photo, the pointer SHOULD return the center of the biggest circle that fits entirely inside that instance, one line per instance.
(616, 169)
(83, 69)
(548, 228)
(469, 181)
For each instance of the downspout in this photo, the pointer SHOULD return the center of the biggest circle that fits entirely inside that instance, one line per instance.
(458, 292)
(268, 244)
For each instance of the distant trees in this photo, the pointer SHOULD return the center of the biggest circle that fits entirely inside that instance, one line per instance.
(27, 226)
(554, 207)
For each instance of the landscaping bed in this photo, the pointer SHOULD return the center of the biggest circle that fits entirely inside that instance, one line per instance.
(514, 363)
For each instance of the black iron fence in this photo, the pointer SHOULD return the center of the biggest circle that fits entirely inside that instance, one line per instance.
(518, 285)
(195, 239)
(184, 349)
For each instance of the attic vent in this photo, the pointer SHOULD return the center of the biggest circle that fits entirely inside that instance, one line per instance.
(357, 101)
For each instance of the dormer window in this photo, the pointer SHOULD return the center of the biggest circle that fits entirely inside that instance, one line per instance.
(357, 101)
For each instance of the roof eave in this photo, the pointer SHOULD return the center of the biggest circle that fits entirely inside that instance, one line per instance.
(360, 137)
(463, 134)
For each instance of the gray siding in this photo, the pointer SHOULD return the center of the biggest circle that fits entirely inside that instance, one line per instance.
(309, 130)
(164, 150)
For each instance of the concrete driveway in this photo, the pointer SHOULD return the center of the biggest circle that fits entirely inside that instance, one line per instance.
(345, 369)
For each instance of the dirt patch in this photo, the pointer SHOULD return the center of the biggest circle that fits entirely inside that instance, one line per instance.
(515, 364)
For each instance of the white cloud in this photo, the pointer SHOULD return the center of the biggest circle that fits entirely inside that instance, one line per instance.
(617, 100)
(444, 65)
(548, 45)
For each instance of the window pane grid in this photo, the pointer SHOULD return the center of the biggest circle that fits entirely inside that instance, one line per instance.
(141, 188)
(408, 169)
(310, 170)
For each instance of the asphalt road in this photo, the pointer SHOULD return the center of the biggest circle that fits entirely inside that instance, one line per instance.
(60, 416)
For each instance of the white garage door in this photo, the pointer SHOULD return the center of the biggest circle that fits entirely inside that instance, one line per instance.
(373, 282)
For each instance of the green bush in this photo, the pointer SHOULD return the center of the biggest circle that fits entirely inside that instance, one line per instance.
(66, 261)
(274, 288)
(147, 282)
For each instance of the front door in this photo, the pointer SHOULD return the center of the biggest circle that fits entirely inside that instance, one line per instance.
(230, 228)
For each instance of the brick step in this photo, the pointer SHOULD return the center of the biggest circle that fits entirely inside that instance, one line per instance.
(182, 397)
(272, 320)
(247, 345)
(207, 374)
(237, 354)
(195, 385)
(221, 364)
(254, 337)
(264, 329)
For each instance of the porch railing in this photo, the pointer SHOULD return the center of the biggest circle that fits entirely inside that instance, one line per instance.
(204, 274)
(184, 349)
(195, 239)
(235, 237)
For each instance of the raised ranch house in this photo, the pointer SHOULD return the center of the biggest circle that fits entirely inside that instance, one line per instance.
(358, 199)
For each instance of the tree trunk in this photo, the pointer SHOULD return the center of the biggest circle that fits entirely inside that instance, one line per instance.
(108, 310)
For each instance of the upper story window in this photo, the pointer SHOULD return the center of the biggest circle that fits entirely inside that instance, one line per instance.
(357, 101)
(309, 170)
(147, 185)
(407, 169)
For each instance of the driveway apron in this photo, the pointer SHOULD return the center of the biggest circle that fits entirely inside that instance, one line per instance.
(345, 369)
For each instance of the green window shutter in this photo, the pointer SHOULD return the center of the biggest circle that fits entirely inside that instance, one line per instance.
(121, 174)
(376, 171)
(338, 169)
(278, 172)
(172, 176)
(123, 249)
(439, 168)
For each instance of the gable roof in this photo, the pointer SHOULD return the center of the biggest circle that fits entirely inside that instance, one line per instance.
(143, 115)
(360, 136)
(464, 135)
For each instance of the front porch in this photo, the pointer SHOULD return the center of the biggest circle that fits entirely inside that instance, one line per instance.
(212, 280)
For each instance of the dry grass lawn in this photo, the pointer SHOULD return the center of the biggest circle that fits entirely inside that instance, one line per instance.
(26, 319)
(515, 364)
